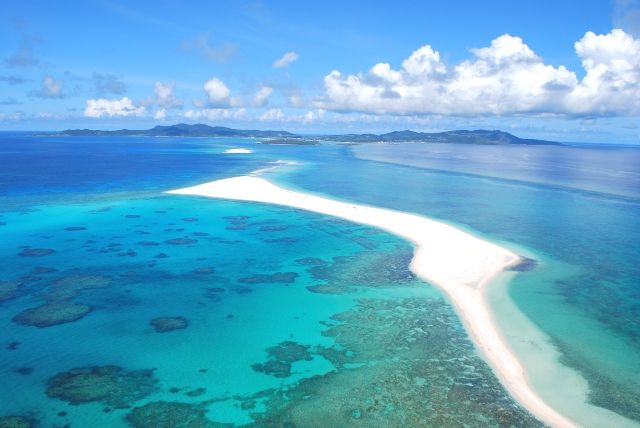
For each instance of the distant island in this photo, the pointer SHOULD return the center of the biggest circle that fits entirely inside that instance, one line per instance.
(480, 136)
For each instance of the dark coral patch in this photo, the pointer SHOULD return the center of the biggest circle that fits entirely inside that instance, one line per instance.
(524, 265)
(196, 392)
(71, 286)
(170, 414)
(283, 240)
(52, 313)
(204, 271)
(190, 219)
(161, 256)
(8, 290)
(181, 241)
(36, 252)
(273, 228)
(310, 261)
(132, 216)
(148, 243)
(16, 422)
(167, 324)
(110, 385)
(24, 370)
(281, 357)
(330, 289)
(75, 228)
(278, 277)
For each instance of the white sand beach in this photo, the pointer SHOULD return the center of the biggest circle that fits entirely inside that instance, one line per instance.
(238, 151)
(455, 261)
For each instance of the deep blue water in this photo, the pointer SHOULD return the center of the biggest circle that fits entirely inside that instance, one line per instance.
(292, 317)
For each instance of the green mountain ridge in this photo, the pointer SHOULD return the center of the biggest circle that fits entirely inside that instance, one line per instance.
(480, 136)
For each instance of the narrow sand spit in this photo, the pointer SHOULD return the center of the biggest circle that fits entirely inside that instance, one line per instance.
(238, 151)
(454, 260)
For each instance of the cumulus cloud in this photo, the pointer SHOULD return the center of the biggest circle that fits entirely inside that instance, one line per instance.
(103, 107)
(107, 84)
(217, 92)
(165, 96)
(202, 45)
(506, 77)
(51, 88)
(272, 115)
(213, 114)
(160, 114)
(261, 97)
(285, 60)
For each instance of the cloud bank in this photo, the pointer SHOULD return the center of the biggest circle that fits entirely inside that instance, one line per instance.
(103, 107)
(504, 78)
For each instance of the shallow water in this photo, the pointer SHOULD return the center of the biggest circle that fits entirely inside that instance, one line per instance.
(291, 318)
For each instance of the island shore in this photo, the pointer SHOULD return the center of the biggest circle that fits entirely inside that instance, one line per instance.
(457, 262)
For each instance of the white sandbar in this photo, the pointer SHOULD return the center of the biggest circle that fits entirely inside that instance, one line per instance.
(238, 151)
(455, 261)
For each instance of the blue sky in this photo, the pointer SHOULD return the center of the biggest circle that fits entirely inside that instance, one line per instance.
(547, 69)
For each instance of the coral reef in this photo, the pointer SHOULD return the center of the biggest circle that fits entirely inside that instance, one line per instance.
(171, 414)
(8, 290)
(36, 252)
(16, 422)
(59, 307)
(181, 241)
(399, 362)
(110, 385)
(51, 314)
(167, 324)
(281, 357)
(277, 277)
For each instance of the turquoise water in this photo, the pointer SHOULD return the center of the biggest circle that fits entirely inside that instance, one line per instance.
(277, 317)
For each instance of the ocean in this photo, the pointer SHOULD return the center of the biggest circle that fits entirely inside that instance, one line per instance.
(124, 306)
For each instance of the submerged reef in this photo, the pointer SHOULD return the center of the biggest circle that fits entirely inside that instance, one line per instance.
(171, 414)
(110, 385)
(16, 422)
(8, 290)
(181, 241)
(363, 269)
(274, 278)
(281, 357)
(167, 324)
(36, 252)
(524, 265)
(399, 362)
(59, 307)
(51, 314)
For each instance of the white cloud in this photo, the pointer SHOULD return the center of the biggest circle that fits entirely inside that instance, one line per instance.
(261, 97)
(165, 96)
(506, 77)
(215, 114)
(160, 114)
(51, 88)
(285, 60)
(313, 116)
(218, 94)
(102, 107)
(272, 115)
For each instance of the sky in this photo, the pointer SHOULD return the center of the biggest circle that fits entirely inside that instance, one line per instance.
(560, 70)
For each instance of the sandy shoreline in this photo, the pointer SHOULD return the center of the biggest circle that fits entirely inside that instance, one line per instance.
(455, 261)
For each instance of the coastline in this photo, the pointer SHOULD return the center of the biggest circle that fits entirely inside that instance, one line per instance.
(459, 263)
